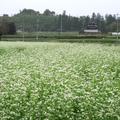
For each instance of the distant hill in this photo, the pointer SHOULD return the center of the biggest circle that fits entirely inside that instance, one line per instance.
(30, 21)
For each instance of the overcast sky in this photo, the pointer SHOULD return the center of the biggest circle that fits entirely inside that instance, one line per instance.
(72, 7)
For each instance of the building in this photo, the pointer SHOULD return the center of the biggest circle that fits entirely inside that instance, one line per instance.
(115, 33)
(91, 28)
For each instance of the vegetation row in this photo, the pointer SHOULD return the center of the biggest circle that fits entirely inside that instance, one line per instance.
(30, 21)
(59, 81)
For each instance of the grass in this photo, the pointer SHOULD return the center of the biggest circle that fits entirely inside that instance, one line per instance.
(58, 35)
(59, 81)
(66, 40)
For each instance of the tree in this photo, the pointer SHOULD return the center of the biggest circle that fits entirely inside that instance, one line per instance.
(0, 33)
(49, 13)
(7, 28)
(110, 23)
(87, 21)
(12, 28)
(28, 12)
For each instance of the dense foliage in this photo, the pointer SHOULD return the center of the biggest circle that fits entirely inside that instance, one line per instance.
(31, 21)
(59, 81)
(7, 27)
(49, 21)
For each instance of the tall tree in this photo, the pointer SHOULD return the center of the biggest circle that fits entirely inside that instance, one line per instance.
(49, 13)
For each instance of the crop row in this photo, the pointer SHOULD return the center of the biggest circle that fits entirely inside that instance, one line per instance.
(59, 81)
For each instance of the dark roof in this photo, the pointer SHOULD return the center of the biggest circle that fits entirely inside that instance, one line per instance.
(92, 26)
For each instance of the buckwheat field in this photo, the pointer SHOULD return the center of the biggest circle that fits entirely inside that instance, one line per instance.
(59, 81)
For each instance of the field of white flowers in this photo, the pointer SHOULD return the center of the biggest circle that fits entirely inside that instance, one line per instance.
(59, 81)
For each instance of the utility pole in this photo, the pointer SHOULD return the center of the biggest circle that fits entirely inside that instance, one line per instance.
(37, 29)
(23, 29)
(117, 26)
(61, 27)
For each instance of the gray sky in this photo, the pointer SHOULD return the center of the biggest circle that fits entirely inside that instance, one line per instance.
(72, 7)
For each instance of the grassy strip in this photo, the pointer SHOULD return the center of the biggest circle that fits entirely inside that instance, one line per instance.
(95, 40)
(53, 36)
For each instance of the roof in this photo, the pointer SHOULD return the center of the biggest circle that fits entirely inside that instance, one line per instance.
(92, 26)
(91, 31)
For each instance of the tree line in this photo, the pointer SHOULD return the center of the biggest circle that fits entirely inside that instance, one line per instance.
(6, 26)
(29, 20)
